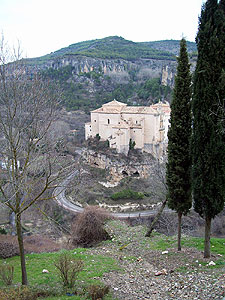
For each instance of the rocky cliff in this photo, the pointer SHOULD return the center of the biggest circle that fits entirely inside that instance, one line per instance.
(118, 166)
(94, 72)
(119, 70)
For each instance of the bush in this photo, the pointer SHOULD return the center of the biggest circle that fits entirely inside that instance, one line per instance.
(20, 293)
(68, 268)
(88, 228)
(8, 249)
(127, 194)
(3, 230)
(6, 274)
(96, 292)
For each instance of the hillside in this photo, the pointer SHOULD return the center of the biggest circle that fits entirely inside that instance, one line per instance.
(94, 72)
(133, 266)
(170, 46)
(116, 47)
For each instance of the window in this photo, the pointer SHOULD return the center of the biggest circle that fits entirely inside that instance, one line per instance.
(108, 121)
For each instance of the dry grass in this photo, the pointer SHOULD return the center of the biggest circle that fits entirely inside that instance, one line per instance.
(34, 243)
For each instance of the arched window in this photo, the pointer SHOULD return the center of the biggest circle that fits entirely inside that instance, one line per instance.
(108, 121)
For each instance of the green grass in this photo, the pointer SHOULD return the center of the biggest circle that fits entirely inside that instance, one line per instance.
(161, 242)
(94, 268)
(127, 194)
(217, 244)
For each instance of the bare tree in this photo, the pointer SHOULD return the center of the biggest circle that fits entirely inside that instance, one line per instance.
(27, 108)
(159, 188)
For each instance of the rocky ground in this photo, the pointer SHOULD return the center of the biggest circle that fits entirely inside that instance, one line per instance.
(151, 268)
(149, 273)
(146, 273)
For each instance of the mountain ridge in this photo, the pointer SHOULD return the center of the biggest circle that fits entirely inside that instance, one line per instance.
(97, 71)
(113, 47)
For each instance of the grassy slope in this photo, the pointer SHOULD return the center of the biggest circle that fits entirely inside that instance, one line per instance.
(128, 242)
(95, 266)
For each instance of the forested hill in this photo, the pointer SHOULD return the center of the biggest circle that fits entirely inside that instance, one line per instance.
(110, 48)
(171, 46)
(117, 47)
(94, 72)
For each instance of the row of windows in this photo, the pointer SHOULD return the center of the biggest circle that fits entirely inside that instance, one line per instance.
(108, 121)
(119, 122)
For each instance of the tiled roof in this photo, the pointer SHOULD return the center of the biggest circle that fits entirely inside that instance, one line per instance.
(115, 107)
(138, 110)
(165, 107)
(108, 110)
(114, 103)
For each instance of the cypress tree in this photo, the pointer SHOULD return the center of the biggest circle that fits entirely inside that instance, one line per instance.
(208, 140)
(178, 173)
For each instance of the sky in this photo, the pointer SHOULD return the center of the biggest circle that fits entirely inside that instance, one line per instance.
(44, 26)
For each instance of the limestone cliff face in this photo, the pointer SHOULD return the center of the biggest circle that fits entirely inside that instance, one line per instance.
(119, 70)
(118, 167)
(114, 57)
(167, 76)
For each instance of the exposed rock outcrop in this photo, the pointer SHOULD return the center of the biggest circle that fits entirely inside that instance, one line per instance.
(119, 70)
(119, 166)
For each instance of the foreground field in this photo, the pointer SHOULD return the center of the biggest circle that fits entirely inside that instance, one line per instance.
(134, 267)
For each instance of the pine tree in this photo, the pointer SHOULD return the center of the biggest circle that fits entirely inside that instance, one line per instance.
(208, 141)
(178, 173)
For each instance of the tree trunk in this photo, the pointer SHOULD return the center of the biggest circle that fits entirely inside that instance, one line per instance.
(148, 234)
(179, 232)
(207, 237)
(21, 248)
(12, 222)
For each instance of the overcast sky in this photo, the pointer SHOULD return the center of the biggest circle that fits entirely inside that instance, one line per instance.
(43, 26)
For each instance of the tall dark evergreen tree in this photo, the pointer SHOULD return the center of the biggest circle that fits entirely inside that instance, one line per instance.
(208, 141)
(178, 173)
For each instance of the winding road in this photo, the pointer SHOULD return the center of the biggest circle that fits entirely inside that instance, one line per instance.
(59, 195)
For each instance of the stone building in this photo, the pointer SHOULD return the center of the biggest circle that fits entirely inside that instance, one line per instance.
(122, 125)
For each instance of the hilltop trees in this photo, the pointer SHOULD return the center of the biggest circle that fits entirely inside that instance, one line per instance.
(27, 109)
(208, 142)
(178, 173)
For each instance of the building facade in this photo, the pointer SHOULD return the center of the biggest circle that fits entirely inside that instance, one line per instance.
(144, 126)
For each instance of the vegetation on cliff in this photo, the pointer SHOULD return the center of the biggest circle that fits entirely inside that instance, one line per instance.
(112, 48)
(94, 72)
(78, 92)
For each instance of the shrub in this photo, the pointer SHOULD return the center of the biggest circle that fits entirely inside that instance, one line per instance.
(20, 293)
(6, 274)
(131, 144)
(98, 137)
(96, 292)
(127, 194)
(3, 230)
(8, 249)
(88, 228)
(68, 268)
